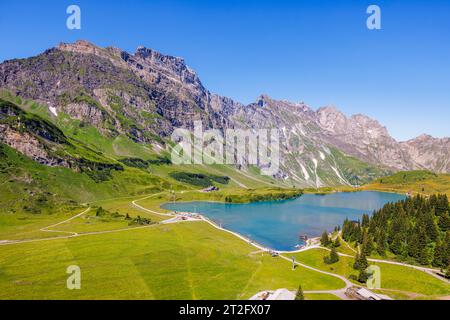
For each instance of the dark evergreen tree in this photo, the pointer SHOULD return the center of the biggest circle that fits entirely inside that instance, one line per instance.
(361, 262)
(440, 256)
(299, 294)
(431, 229)
(444, 222)
(365, 221)
(337, 243)
(381, 243)
(325, 239)
(414, 228)
(334, 257)
(363, 276)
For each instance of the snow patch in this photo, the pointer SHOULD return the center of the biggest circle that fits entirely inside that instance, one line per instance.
(326, 149)
(53, 110)
(318, 181)
(305, 172)
(322, 156)
(339, 175)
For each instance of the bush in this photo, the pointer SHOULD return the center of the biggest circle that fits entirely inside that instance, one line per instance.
(332, 258)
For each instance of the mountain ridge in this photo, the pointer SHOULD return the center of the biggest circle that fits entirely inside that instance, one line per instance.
(146, 95)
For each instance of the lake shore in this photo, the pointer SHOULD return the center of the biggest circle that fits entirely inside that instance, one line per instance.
(277, 225)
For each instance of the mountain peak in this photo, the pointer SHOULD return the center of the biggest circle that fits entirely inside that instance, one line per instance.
(328, 109)
(80, 46)
(424, 136)
(147, 53)
(163, 86)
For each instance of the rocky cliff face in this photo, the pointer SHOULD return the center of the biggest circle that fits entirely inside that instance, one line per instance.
(430, 153)
(363, 138)
(145, 95)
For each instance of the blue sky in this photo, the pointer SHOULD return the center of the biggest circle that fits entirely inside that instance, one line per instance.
(316, 51)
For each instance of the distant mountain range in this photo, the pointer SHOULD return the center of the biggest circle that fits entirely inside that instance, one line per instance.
(146, 95)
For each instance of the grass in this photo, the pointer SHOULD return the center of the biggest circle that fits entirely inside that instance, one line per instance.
(393, 277)
(27, 183)
(346, 247)
(184, 261)
(178, 261)
(321, 296)
(423, 182)
(21, 226)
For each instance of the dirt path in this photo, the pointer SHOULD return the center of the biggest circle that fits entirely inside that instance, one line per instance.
(46, 229)
(174, 218)
(339, 293)
(430, 271)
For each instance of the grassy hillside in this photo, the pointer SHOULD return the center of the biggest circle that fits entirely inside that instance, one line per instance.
(178, 261)
(424, 182)
(102, 166)
(27, 186)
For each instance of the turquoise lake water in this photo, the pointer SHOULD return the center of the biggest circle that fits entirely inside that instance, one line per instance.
(278, 224)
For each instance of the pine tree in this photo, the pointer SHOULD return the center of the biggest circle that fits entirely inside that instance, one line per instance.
(337, 243)
(325, 240)
(442, 204)
(381, 243)
(422, 254)
(397, 245)
(446, 257)
(299, 294)
(431, 229)
(365, 220)
(439, 259)
(356, 262)
(444, 222)
(361, 262)
(345, 229)
(334, 257)
(367, 244)
(363, 276)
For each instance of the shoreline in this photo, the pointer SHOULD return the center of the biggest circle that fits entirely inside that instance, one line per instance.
(256, 244)
(174, 216)
(259, 246)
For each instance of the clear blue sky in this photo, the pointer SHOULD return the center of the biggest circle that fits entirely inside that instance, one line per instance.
(316, 51)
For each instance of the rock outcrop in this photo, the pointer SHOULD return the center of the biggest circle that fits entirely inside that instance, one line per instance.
(146, 95)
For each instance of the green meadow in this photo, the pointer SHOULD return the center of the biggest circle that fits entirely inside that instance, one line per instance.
(408, 282)
(178, 261)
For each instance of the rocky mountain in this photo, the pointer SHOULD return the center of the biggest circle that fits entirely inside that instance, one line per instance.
(146, 95)
(428, 152)
(362, 137)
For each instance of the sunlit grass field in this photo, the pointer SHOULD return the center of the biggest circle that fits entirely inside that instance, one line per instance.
(423, 182)
(182, 261)
(412, 283)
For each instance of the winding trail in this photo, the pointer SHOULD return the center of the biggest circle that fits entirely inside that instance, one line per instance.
(46, 229)
(134, 203)
(339, 292)
(177, 218)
